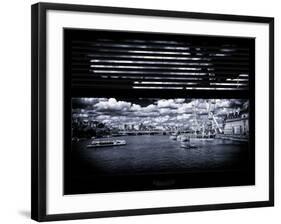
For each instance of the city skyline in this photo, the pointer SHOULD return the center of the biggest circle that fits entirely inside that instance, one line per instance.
(179, 112)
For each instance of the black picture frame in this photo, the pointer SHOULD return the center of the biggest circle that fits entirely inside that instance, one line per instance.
(39, 108)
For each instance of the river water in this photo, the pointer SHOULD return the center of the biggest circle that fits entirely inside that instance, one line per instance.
(147, 154)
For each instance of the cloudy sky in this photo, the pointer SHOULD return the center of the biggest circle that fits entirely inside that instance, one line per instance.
(157, 112)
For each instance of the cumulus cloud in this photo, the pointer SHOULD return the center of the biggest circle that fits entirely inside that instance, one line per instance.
(163, 103)
(112, 105)
(179, 100)
(173, 112)
(186, 108)
(135, 107)
(85, 103)
(149, 108)
(162, 119)
(183, 117)
(167, 111)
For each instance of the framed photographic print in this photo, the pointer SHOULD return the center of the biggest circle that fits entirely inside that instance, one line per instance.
(138, 111)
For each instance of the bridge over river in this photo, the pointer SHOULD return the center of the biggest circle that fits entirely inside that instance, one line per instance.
(146, 132)
(136, 132)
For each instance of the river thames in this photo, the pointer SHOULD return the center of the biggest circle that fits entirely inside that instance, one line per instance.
(158, 153)
(102, 169)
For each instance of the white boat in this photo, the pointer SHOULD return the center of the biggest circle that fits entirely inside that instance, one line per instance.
(183, 138)
(173, 137)
(187, 145)
(106, 143)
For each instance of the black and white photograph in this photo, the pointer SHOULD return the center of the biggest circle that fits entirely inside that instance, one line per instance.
(148, 111)
(114, 137)
(138, 111)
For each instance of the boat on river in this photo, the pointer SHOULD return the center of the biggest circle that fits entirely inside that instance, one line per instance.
(173, 136)
(183, 138)
(106, 143)
(187, 145)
